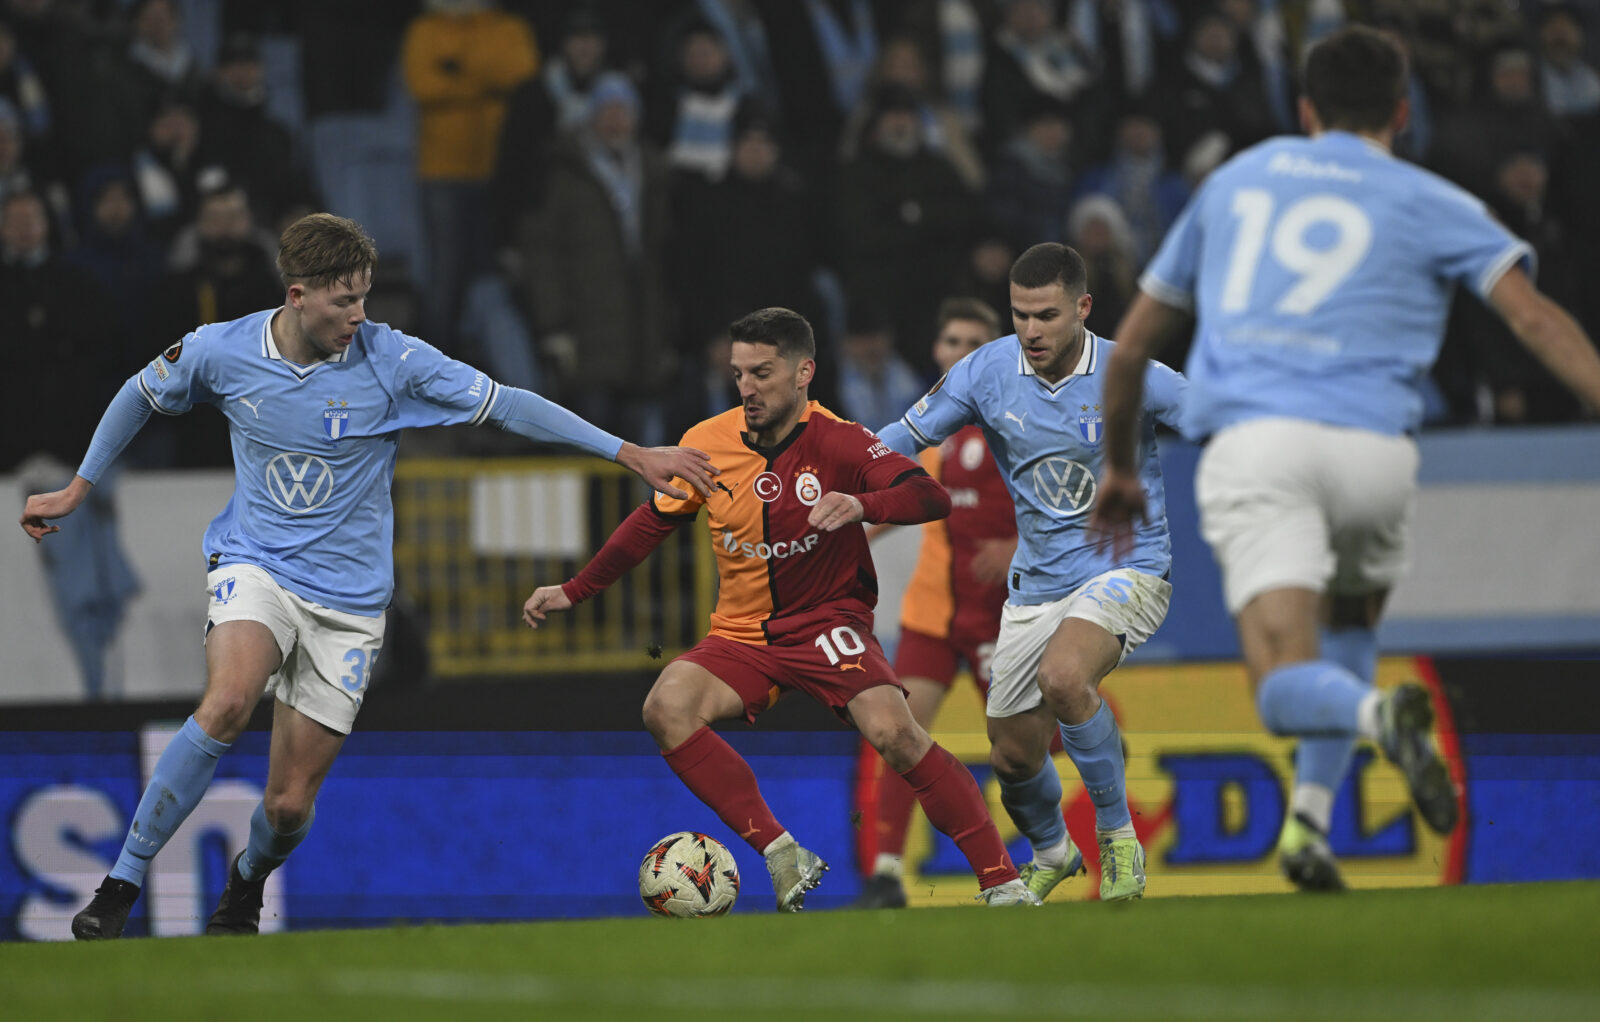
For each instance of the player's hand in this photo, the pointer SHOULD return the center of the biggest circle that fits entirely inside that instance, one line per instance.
(1119, 508)
(834, 510)
(542, 602)
(41, 507)
(658, 466)
(993, 560)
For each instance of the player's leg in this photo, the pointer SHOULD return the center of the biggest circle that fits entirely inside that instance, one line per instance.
(678, 712)
(891, 813)
(1349, 638)
(949, 796)
(319, 691)
(302, 753)
(240, 656)
(1021, 730)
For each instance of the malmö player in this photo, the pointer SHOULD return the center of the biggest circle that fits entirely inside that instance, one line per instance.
(794, 612)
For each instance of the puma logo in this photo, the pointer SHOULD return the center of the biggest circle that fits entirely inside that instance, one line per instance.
(853, 667)
(407, 354)
(753, 828)
(1018, 421)
(255, 407)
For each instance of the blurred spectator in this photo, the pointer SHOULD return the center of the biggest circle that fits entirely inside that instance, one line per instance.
(461, 58)
(689, 114)
(116, 251)
(723, 259)
(745, 35)
(1137, 177)
(1034, 60)
(876, 383)
(556, 100)
(901, 63)
(257, 151)
(159, 49)
(1131, 37)
(338, 75)
(593, 273)
(168, 168)
(902, 221)
(1570, 85)
(706, 385)
(1470, 143)
(1214, 92)
(18, 173)
(952, 35)
(1100, 233)
(233, 277)
(1485, 373)
(824, 59)
(1028, 193)
(23, 88)
(57, 322)
(986, 274)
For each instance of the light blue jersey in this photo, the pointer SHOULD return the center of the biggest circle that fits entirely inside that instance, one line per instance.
(314, 446)
(1046, 440)
(1320, 272)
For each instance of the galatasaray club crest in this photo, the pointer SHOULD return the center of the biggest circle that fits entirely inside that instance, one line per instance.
(336, 420)
(1090, 424)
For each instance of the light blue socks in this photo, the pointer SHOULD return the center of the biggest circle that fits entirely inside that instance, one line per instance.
(179, 781)
(1096, 747)
(1321, 763)
(1035, 806)
(268, 848)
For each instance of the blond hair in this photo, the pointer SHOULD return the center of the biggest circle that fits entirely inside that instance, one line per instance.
(321, 250)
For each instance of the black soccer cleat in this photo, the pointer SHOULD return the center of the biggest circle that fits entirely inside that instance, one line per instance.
(105, 916)
(1405, 718)
(881, 891)
(239, 909)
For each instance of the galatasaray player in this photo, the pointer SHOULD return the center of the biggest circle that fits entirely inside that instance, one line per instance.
(795, 605)
(950, 612)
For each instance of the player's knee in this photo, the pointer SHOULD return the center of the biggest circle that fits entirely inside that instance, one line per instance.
(1011, 761)
(901, 744)
(287, 810)
(671, 710)
(1066, 686)
(224, 715)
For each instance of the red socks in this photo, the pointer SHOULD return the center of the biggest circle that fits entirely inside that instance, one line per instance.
(953, 803)
(721, 779)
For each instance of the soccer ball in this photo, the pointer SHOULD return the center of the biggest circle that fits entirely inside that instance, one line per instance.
(688, 875)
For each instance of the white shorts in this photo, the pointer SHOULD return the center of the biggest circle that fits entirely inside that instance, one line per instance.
(1128, 604)
(328, 655)
(1287, 503)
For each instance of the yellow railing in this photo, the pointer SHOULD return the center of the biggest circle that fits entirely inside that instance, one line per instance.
(474, 537)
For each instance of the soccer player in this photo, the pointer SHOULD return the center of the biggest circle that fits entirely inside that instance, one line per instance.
(1320, 271)
(1073, 610)
(950, 612)
(794, 611)
(300, 559)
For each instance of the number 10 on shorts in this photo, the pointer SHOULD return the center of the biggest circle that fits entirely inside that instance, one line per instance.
(842, 641)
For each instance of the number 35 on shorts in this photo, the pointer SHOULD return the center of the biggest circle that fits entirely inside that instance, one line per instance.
(358, 664)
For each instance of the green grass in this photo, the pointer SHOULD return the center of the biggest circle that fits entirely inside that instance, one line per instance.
(1462, 954)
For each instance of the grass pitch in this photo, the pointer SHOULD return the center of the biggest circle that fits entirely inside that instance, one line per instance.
(1460, 954)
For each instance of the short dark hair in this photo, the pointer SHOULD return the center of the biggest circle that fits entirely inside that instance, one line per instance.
(975, 309)
(1356, 78)
(1049, 263)
(784, 329)
(321, 250)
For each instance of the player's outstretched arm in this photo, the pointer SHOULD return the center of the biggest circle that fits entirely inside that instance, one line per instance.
(544, 600)
(1547, 330)
(659, 466)
(42, 507)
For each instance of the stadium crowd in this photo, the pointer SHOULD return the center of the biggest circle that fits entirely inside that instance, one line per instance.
(604, 185)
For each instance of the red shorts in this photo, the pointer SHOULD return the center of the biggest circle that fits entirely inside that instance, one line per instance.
(844, 661)
(921, 655)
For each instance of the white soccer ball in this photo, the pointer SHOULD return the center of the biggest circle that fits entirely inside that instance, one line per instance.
(688, 875)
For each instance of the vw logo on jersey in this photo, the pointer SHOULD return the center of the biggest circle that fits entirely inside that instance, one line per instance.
(768, 486)
(1091, 425)
(299, 482)
(808, 488)
(223, 590)
(1064, 487)
(336, 422)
